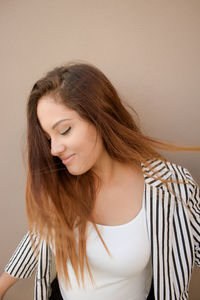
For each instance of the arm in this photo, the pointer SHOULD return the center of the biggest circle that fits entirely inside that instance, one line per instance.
(22, 263)
(6, 281)
(25, 258)
(194, 205)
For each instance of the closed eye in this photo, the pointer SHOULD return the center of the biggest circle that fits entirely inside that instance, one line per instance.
(66, 131)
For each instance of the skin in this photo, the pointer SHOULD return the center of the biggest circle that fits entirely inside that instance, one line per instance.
(6, 281)
(82, 139)
(122, 185)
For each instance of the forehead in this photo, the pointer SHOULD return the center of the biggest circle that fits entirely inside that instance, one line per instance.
(49, 107)
(50, 112)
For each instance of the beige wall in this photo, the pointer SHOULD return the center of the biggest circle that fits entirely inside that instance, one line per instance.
(150, 49)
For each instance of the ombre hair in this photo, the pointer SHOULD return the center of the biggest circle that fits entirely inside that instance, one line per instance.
(59, 205)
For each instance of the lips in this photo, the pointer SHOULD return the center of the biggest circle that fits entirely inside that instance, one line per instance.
(67, 158)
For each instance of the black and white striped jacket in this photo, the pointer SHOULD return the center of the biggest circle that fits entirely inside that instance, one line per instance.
(173, 220)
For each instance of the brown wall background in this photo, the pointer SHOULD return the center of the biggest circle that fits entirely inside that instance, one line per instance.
(150, 50)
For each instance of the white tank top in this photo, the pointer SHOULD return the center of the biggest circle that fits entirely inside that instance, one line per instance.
(126, 275)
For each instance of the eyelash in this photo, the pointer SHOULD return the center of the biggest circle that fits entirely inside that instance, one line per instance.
(66, 131)
(63, 133)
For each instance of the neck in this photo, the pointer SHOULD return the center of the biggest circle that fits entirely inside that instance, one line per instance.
(111, 171)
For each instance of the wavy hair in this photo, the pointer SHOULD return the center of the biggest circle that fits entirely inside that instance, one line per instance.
(59, 204)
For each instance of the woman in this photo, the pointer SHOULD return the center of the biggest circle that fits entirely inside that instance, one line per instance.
(118, 218)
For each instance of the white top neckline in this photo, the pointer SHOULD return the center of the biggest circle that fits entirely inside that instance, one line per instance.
(133, 220)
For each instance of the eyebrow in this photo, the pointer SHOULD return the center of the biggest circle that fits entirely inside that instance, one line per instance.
(60, 122)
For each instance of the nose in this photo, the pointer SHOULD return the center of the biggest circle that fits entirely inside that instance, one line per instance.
(57, 148)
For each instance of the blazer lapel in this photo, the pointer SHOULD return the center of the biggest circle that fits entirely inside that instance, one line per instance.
(159, 204)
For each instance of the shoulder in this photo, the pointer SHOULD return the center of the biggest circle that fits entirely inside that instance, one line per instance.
(183, 178)
(181, 173)
(157, 171)
(164, 166)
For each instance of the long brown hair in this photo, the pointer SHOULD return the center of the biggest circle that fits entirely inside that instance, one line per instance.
(59, 204)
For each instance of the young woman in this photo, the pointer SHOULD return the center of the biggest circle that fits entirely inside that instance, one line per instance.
(116, 216)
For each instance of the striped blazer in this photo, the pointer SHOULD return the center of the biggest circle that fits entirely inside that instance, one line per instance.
(173, 221)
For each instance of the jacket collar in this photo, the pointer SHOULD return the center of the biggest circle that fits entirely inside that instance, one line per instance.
(159, 166)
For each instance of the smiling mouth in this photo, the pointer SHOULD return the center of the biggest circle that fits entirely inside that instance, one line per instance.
(68, 159)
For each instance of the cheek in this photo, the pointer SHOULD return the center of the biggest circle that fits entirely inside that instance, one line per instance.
(89, 150)
(86, 140)
(86, 158)
(92, 146)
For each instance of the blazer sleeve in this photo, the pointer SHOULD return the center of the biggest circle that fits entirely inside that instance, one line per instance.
(24, 260)
(194, 206)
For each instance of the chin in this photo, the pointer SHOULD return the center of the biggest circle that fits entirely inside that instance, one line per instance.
(76, 172)
(79, 171)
